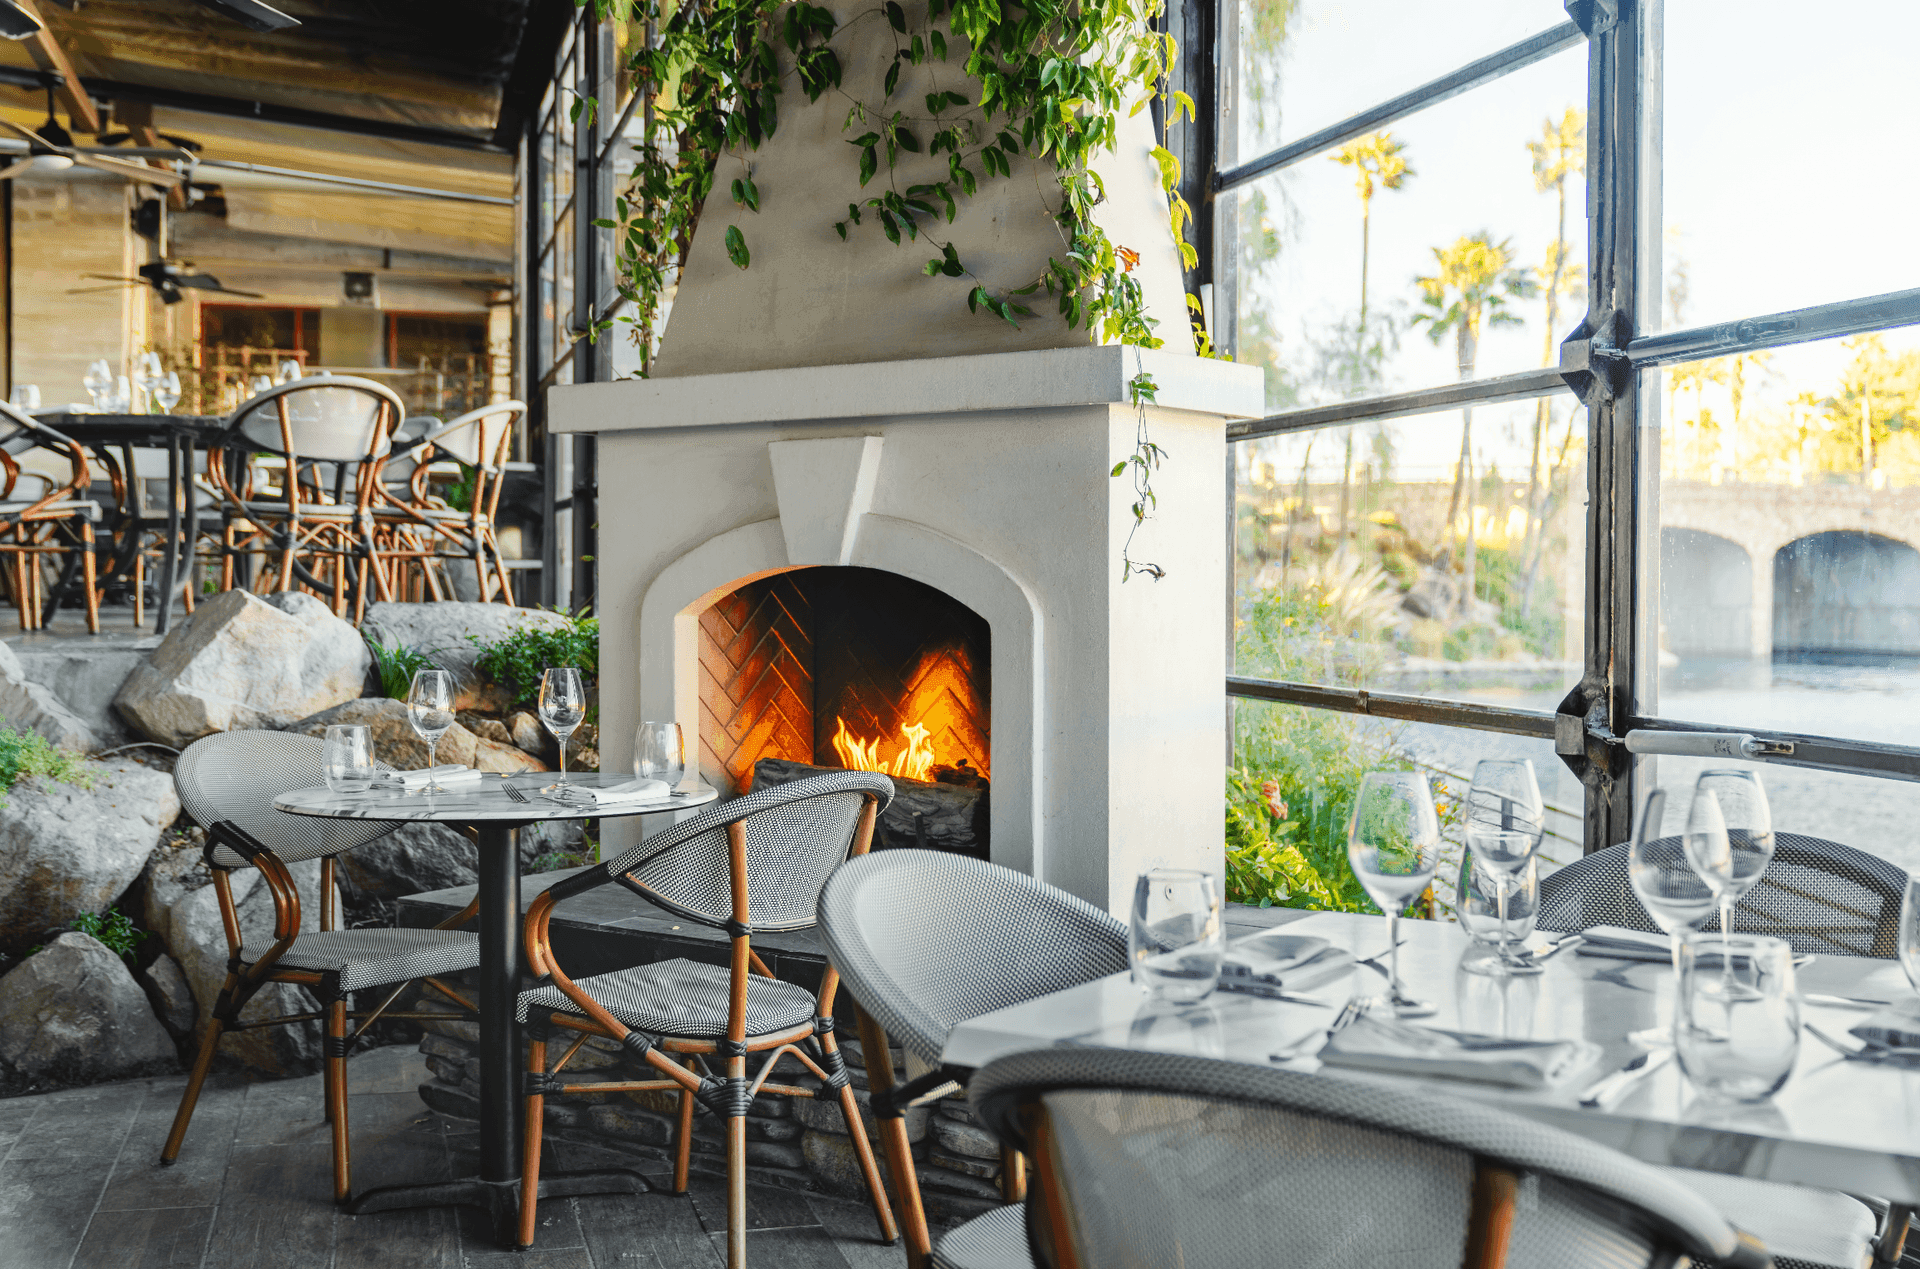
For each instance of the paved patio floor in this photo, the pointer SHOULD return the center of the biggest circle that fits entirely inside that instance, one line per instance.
(81, 1186)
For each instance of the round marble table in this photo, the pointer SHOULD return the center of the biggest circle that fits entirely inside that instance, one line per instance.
(494, 814)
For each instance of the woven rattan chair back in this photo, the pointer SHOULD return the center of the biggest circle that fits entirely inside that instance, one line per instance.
(1819, 896)
(1147, 1159)
(479, 437)
(331, 419)
(797, 834)
(926, 939)
(233, 778)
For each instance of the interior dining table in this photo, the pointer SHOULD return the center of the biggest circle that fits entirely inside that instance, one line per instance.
(1837, 1124)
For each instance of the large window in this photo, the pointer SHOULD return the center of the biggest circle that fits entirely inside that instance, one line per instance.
(1594, 405)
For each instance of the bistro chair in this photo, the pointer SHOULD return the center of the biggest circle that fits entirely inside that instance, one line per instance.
(1818, 895)
(331, 433)
(926, 940)
(426, 528)
(227, 783)
(40, 517)
(1157, 1159)
(755, 864)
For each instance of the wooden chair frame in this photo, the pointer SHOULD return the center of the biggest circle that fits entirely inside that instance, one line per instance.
(245, 980)
(728, 1096)
(36, 530)
(420, 532)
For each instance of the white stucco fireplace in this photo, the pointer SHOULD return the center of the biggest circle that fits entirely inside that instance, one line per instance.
(986, 478)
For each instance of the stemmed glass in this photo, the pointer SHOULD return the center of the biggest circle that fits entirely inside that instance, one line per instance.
(99, 382)
(1744, 814)
(1393, 844)
(659, 753)
(1505, 822)
(1662, 874)
(430, 710)
(166, 393)
(563, 707)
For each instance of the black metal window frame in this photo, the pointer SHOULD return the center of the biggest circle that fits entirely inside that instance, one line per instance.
(1604, 361)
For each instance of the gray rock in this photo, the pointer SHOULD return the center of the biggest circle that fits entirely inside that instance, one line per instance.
(412, 859)
(86, 676)
(395, 742)
(1433, 596)
(65, 850)
(28, 706)
(442, 631)
(175, 867)
(965, 1139)
(172, 997)
(822, 1115)
(243, 662)
(73, 1012)
(525, 731)
(198, 940)
(485, 728)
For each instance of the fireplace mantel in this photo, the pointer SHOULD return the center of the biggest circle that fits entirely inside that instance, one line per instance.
(987, 478)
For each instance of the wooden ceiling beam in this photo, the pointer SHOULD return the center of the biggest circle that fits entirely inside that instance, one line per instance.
(49, 56)
(137, 118)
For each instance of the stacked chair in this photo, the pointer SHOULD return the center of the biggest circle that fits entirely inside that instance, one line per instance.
(40, 519)
(227, 783)
(425, 532)
(752, 865)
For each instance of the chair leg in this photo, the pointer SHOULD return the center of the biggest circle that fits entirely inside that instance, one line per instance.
(869, 1167)
(337, 1097)
(139, 588)
(191, 1097)
(899, 1151)
(530, 1147)
(683, 1144)
(737, 1175)
(1013, 1175)
(88, 577)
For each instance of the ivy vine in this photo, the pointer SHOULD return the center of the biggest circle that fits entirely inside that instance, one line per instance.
(1046, 80)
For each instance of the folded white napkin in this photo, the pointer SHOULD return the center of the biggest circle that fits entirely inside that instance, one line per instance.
(1268, 963)
(1399, 1048)
(447, 775)
(629, 791)
(1620, 943)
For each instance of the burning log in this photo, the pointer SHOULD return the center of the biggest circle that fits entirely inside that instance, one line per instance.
(934, 816)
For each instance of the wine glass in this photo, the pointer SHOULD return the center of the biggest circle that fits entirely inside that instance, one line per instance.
(1174, 936)
(659, 753)
(1748, 822)
(1393, 844)
(122, 400)
(563, 707)
(348, 758)
(1663, 876)
(167, 393)
(289, 371)
(1909, 933)
(430, 710)
(1505, 822)
(260, 384)
(99, 382)
(26, 396)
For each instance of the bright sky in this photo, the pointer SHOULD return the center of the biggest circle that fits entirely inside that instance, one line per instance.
(1787, 180)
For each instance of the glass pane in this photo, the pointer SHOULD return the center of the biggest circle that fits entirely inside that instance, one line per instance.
(1789, 531)
(1364, 581)
(1290, 795)
(1450, 264)
(1307, 64)
(1755, 86)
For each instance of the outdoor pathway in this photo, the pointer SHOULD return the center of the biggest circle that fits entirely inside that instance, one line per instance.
(81, 1186)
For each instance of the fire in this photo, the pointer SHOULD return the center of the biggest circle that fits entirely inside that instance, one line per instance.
(913, 762)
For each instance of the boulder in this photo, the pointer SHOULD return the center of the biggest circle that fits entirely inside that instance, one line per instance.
(525, 731)
(395, 743)
(176, 866)
(73, 1013)
(242, 661)
(86, 675)
(28, 706)
(412, 859)
(65, 850)
(447, 631)
(486, 728)
(171, 996)
(197, 939)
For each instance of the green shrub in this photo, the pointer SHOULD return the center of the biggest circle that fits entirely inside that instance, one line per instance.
(516, 661)
(25, 754)
(114, 929)
(397, 665)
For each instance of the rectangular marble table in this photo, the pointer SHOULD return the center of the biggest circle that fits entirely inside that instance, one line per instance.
(1838, 1125)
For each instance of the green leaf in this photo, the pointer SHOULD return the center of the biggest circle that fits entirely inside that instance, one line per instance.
(938, 44)
(896, 16)
(840, 226)
(869, 164)
(1119, 467)
(893, 78)
(905, 140)
(737, 247)
(932, 267)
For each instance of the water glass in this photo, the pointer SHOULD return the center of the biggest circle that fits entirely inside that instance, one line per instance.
(1736, 1018)
(1175, 937)
(430, 711)
(99, 383)
(26, 396)
(660, 753)
(1393, 844)
(1478, 904)
(166, 392)
(348, 758)
(562, 708)
(1909, 935)
(1742, 808)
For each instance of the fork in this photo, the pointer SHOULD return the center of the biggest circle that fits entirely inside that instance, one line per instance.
(1350, 1011)
(513, 792)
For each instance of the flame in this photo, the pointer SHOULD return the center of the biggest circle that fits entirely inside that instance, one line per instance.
(913, 762)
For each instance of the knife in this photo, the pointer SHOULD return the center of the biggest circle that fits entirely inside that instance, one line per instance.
(1608, 1089)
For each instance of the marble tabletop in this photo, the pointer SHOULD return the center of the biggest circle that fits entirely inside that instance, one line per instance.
(1842, 1125)
(486, 802)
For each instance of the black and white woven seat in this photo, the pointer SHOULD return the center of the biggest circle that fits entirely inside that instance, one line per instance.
(1819, 896)
(753, 864)
(1158, 1159)
(227, 783)
(997, 1240)
(927, 940)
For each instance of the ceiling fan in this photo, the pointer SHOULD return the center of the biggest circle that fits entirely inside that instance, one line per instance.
(51, 149)
(168, 279)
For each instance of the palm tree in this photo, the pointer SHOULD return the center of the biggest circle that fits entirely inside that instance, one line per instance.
(1379, 162)
(1560, 152)
(1466, 294)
